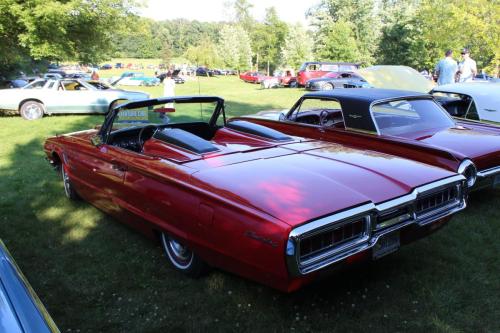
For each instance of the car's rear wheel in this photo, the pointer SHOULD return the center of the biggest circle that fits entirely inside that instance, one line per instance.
(69, 190)
(327, 86)
(181, 257)
(31, 110)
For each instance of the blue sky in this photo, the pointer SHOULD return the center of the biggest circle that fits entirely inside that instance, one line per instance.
(291, 11)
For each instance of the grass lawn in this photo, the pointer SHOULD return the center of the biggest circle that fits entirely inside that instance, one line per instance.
(96, 275)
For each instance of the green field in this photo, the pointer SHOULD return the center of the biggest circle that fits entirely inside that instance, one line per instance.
(97, 275)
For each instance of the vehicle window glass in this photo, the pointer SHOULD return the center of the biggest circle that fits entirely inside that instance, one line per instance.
(347, 68)
(456, 104)
(39, 84)
(330, 68)
(51, 84)
(313, 67)
(409, 116)
(472, 113)
(166, 113)
(319, 112)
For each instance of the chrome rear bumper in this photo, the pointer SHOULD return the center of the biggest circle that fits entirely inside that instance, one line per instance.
(298, 264)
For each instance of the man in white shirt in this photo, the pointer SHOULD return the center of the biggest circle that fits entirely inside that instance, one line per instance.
(467, 67)
(446, 69)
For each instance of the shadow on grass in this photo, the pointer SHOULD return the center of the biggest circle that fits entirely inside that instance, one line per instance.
(96, 275)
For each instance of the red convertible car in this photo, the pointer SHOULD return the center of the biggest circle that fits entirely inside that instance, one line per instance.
(271, 207)
(403, 123)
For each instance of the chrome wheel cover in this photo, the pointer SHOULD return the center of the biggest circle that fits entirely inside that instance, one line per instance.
(180, 255)
(33, 111)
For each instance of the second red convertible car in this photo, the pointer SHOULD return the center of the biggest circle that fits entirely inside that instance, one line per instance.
(403, 123)
(274, 208)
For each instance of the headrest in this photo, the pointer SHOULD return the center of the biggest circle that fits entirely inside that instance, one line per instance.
(259, 130)
(186, 140)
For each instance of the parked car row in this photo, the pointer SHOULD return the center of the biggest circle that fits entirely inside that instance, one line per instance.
(344, 176)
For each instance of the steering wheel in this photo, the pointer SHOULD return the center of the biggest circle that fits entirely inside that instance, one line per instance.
(323, 117)
(140, 139)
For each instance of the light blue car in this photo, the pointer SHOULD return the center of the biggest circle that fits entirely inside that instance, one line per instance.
(136, 79)
(21, 311)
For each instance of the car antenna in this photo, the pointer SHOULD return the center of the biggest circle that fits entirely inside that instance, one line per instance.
(199, 92)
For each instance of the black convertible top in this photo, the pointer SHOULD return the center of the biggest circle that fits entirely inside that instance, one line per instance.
(356, 103)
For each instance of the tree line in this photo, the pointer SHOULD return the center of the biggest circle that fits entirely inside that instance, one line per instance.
(415, 33)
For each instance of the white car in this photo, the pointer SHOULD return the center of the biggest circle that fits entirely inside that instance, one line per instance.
(471, 100)
(51, 96)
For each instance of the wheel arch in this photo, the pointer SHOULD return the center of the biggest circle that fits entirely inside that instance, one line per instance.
(56, 159)
(32, 100)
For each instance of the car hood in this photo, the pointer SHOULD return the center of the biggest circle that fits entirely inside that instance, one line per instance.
(486, 97)
(307, 180)
(396, 77)
(481, 145)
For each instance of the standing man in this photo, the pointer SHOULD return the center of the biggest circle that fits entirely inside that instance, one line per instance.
(446, 69)
(168, 91)
(467, 67)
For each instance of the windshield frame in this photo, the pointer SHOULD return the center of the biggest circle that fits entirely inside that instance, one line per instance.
(408, 98)
(107, 126)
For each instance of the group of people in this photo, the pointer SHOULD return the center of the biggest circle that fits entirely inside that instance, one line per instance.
(449, 70)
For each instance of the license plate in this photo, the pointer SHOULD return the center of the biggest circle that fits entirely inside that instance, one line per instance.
(386, 244)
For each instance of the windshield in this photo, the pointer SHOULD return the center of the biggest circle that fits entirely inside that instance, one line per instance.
(100, 85)
(38, 84)
(162, 114)
(71, 85)
(347, 68)
(406, 116)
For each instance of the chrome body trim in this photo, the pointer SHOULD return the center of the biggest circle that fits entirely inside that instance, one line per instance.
(489, 172)
(371, 234)
(463, 167)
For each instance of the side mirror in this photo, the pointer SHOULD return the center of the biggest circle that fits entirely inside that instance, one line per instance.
(96, 140)
(282, 116)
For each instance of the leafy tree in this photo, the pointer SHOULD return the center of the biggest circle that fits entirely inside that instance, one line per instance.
(234, 47)
(61, 30)
(338, 43)
(297, 47)
(417, 33)
(268, 38)
(473, 23)
(401, 41)
(242, 14)
(358, 16)
(166, 53)
(204, 54)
